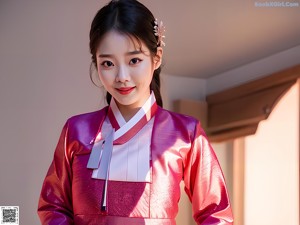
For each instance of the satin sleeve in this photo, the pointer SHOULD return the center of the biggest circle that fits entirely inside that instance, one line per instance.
(55, 202)
(204, 183)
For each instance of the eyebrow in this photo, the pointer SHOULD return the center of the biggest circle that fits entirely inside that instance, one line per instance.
(128, 53)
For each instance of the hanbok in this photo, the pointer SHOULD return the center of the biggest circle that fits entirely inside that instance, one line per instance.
(107, 171)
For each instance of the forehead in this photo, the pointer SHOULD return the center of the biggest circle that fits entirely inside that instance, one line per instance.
(117, 42)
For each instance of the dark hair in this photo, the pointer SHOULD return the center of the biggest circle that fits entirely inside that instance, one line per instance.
(132, 18)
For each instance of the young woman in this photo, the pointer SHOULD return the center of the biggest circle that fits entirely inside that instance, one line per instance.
(122, 165)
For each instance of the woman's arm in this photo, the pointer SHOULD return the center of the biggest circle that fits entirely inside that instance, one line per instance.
(204, 183)
(55, 203)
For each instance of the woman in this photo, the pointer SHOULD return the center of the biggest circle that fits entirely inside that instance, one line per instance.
(122, 165)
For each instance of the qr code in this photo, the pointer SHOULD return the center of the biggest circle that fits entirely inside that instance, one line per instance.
(9, 215)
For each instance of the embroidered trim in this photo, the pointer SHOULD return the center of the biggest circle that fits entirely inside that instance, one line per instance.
(135, 124)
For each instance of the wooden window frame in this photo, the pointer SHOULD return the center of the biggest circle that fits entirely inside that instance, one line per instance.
(236, 112)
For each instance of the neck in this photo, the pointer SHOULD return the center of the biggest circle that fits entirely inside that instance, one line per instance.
(127, 111)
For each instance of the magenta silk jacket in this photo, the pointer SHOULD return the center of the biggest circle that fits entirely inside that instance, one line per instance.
(179, 151)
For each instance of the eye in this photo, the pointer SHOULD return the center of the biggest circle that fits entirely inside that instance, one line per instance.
(107, 64)
(135, 61)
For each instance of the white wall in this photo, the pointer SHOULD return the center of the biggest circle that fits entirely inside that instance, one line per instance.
(254, 70)
(44, 79)
(272, 166)
(175, 87)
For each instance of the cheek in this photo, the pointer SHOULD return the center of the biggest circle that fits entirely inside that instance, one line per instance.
(145, 74)
(106, 77)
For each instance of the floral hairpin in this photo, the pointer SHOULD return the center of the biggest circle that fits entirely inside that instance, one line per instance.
(159, 30)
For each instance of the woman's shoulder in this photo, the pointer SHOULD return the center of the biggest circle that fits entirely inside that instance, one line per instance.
(86, 121)
(182, 118)
(84, 127)
(178, 122)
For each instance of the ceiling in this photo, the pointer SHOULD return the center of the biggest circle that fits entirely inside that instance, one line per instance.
(206, 38)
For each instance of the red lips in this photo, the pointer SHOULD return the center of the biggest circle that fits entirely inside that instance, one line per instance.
(125, 90)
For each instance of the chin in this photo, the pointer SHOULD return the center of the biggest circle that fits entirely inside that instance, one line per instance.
(125, 102)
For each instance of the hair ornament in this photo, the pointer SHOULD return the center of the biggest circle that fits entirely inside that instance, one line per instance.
(159, 31)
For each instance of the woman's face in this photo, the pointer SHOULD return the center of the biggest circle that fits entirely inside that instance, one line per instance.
(125, 68)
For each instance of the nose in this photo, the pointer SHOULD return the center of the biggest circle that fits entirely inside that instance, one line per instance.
(123, 75)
